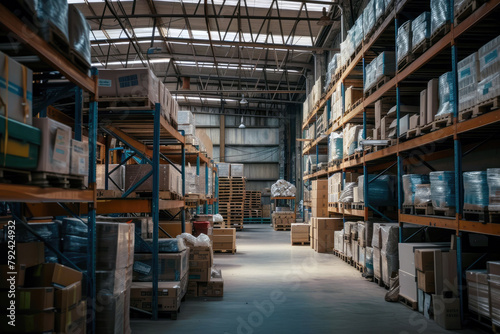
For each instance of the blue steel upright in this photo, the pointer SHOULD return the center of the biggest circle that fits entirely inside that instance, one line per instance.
(183, 175)
(205, 207)
(198, 175)
(156, 205)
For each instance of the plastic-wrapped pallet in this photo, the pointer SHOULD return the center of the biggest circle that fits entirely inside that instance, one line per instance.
(51, 14)
(224, 169)
(369, 261)
(335, 146)
(336, 103)
(386, 65)
(403, 40)
(489, 60)
(388, 4)
(370, 74)
(332, 67)
(468, 77)
(389, 235)
(379, 9)
(410, 183)
(79, 34)
(445, 94)
(338, 240)
(440, 14)
(478, 291)
(351, 138)
(49, 231)
(347, 193)
(422, 194)
(493, 175)
(442, 189)
(421, 29)
(305, 109)
(488, 88)
(185, 117)
(369, 17)
(475, 190)
(283, 188)
(380, 190)
(357, 36)
(389, 265)
(494, 285)
(189, 129)
(377, 231)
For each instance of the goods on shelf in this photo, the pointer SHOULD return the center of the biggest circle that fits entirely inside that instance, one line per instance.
(432, 99)
(134, 83)
(346, 49)
(403, 41)
(55, 146)
(319, 198)
(50, 232)
(468, 75)
(338, 238)
(385, 65)
(79, 158)
(283, 188)
(224, 169)
(380, 190)
(347, 194)
(357, 32)
(185, 117)
(79, 35)
(189, 129)
(168, 180)
(365, 233)
(334, 187)
(369, 261)
(420, 29)
(316, 91)
(50, 18)
(423, 108)
(18, 92)
(352, 95)
(337, 104)
(350, 138)
(74, 234)
(299, 233)
(19, 134)
(370, 73)
(445, 94)
(321, 124)
(442, 189)
(410, 184)
(331, 69)
(478, 292)
(368, 18)
(305, 109)
(323, 233)
(493, 177)
(440, 14)
(475, 190)
(118, 177)
(389, 235)
(494, 284)
(379, 9)
(489, 60)
(488, 88)
(422, 194)
(335, 146)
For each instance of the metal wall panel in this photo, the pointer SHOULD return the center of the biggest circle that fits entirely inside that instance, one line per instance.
(242, 154)
(253, 137)
(262, 171)
(213, 134)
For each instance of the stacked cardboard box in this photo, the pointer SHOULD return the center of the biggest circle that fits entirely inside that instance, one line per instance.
(478, 292)
(494, 295)
(224, 239)
(323, 233)
(201, 261)
(174, 228)
(169, 178)
(300, 233)
(115, 261)
(334, 187)
(283, 220)
(319, 198)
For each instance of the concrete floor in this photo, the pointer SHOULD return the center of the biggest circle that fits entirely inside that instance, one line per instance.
(272, 287)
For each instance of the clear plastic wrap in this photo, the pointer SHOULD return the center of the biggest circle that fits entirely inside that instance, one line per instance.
(445, 94)
(370, 74)
(111, 313)
(377, 265)
(440, 14)
(332, 67)
(347, 194)
(74, 226)
(369, 261)
(338, 240)
(79, 33)
(73, 243)
(494, 284)
(185, 117)
(224, 169)
(493, 176)
(191, 241)
(114, 246)
(362, 256)
(422, 194)
(165, 245)
(358, 28)
(410, 183)
(79, 259)
(172, 266)
(189, 129)
(478, 291)
(350, 141)
(380, 191)
(45, 230)
(403, 40)
(468, 77)
(420, 29)
(475, 190)
(143, 225)
(51, 14)
(368, 17)
(488, 88)
(336, 104)
(365, 233)
(442, 189)
(335, 146)
(283, 188)
(389, 235)
(111, 281)
(390, 264)
(386, 65)
(379, 9)
(489, 61)
(361, 232)
(388, 4)
(218, 218)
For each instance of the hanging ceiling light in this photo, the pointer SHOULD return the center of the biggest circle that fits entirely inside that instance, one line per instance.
(242, 126)
(243, 100)
(325, 19)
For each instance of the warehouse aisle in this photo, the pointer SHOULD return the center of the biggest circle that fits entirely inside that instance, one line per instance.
(271, 287)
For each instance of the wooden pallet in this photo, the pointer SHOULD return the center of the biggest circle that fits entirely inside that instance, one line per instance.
(8, 175)
(424, 210)
(408, 210)
(421, 47)
(353, 106)
(232, 251)
(494, 217)
(405, 61)
(440, 32)
(466, 10)
(76, 59)
(163, 195)
(300, 243)
(123, 103)
(46, 179)
(476, 213)
(412, 133)
(358, 206)
(442, 122)
(408, 302)
(56, 39)
(283, 228)
(447, 212)
(360, 267)
(385, 79)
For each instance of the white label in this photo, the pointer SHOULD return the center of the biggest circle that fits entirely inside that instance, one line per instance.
(61, 146)
(104, 83)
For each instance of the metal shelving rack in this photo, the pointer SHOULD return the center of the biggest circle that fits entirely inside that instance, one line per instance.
(31, 194)
(388, 157)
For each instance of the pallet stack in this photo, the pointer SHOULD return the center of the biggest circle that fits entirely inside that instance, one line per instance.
(283, 220)
(224, 240)
(253, 207)
(232, 200)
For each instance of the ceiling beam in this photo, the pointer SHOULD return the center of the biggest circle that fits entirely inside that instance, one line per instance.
(201, 16)
(235, 91)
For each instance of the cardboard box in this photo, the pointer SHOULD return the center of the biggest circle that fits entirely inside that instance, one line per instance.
(172, 266)
(228, 245)
(72, 321)
(129, 82)
(432, 99)
(31, 323)
(352, 95)
(355, 198)
(35, 299)
(423, 108)
(425, 281)
(404, 124)
(300, 228)
(79, 158)
(224, 169)
(30, 253)
(115, 245)
(445, 272)
(213, 288)
(20, 80)
(49, 274)
(408, 285)
(68, 296)
(201, 254)
(174, 228)
(334, 224)
(169, 295)
(414, 121)
(54, 155)
(424, 259)
(447, 312)
(407, 255)
(192, 289)
(224, 231)
(319, 185)
(20, 269)
(168, 177)
(200, 274)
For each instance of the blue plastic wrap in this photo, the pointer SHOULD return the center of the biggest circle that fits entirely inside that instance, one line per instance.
(74, 226)
(368, 17)
(52, 14)
(386, 65)
(164, 246)
(489, 60)
(380, 191)
(422, 194)
(440, 14)
(79, 259)
(420, 29)
(442, 189)
(468, 77)
(45, 230)
(370, 75)
(403, 40)
(475, 190)
(335, 146)
(79, 33)
(72, 243)
(357, 32)
(379, 9)
(445, 94)
(488, 88)
(410, 182)
(493, 176)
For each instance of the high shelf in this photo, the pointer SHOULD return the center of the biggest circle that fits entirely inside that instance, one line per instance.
(51, 59)
(453, 142)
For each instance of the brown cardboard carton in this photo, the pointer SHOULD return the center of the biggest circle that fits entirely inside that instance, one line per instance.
(200, 274)
(72, 321)
(173, 266)
(35, 299)
(199, 264)
(224, 245)
(425, 281)
(213, 288)
(445, 272)
(48, 274)
(447, 312)
(335, 224)
(174, 228)
(201, 254)
(68, 296)
(300, 228)
(432, 99)
(169, 295)
(224, 231)
(192, 289)
(31, 323)
(18, 278)
(30, 253)
(423, 108)
(352, 95)
(319, 185)
(424, 259)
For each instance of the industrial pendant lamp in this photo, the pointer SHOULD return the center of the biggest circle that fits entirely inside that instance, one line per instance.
(325, 19)
(242, 126)
(243, 100)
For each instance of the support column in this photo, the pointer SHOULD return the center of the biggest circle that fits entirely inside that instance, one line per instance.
(222, 147)
(155, 206)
